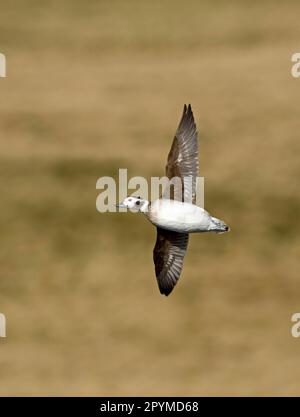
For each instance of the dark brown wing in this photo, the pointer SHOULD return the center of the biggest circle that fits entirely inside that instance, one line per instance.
(168, 257)
(183, 159)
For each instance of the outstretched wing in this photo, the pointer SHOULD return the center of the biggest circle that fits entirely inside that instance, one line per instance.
(183, 159)
(168, 255)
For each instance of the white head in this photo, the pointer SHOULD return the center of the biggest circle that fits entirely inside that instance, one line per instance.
(134, 203)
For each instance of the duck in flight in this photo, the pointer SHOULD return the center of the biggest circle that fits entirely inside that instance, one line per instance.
(175, 215)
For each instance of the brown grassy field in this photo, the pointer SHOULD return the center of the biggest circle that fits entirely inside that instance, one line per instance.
(99, 85)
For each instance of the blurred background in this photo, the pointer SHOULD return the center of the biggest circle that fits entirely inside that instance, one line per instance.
(96, 86)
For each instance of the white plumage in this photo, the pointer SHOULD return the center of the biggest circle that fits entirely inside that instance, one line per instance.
(182, 217)
(175, 215)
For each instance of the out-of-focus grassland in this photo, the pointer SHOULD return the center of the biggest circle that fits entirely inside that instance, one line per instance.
(94, 86)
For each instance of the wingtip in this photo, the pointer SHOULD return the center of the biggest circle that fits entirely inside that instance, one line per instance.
(165, 292)
(187, 107)
(187, 120)
(166, 289)
(188, 112)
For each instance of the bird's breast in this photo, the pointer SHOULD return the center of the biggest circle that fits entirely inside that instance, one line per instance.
(178, 216)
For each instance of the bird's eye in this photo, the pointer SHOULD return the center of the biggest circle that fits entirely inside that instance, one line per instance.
(138, 203)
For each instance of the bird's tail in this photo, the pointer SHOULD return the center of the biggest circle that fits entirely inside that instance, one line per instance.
(218, 226)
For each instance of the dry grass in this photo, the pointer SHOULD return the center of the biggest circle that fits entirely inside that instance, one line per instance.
(94, 86)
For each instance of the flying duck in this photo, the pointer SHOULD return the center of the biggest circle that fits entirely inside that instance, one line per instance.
(175, 215)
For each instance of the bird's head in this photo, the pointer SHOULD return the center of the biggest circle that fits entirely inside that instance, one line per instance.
(134, 203)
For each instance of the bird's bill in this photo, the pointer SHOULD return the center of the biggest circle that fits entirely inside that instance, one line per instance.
(121, 205)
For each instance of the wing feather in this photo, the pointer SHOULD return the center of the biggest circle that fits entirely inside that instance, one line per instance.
(183, 161)
(168, 255)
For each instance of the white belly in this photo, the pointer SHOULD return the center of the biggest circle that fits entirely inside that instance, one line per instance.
(178, 216)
